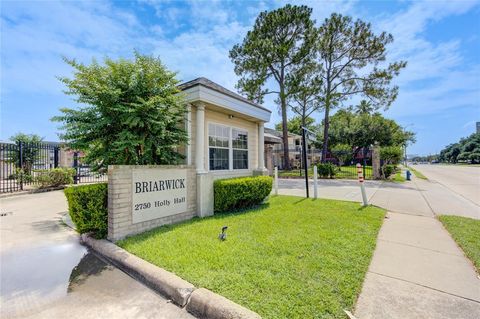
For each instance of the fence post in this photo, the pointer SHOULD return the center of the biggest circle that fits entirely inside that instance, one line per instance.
(55, 157)
(315, 180)
(20, 157)
(75, 165)
(362, 186)
(275, 182)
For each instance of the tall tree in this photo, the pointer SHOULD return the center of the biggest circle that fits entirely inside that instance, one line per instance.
(30, 153)
(351, 55)
(305, 88)
(280, 42)
(294, 125)
(364, 107)
(132, 112)
(359, 131)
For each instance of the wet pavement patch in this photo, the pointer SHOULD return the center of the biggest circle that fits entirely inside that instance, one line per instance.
(89, 265)
(35, 276)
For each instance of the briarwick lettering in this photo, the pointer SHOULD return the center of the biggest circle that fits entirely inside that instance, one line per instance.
(161, 185)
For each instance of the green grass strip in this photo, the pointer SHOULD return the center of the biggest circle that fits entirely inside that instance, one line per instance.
(417, 173)
(466, 232)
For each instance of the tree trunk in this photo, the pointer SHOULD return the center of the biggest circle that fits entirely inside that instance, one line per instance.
(286, 153)
(325, 132)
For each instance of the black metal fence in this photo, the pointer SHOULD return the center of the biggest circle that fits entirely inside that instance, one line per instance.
(345, 162)
(21, 164)
(84, 173)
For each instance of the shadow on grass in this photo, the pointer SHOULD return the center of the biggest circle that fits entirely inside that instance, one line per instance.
(217, 216)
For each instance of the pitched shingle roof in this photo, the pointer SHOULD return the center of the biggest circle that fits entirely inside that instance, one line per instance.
(216, 87)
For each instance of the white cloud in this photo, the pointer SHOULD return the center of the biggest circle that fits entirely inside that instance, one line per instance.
(37, 36)
(435, 78)
(195, 39)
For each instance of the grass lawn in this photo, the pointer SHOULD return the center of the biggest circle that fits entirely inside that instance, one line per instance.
(417, 173)
(466, 232)
(289, 258)
(398, 177)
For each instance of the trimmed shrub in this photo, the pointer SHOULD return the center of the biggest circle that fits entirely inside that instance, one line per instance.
(87, 205)
(326, 170)
(242, 192)
(388, 170)
(55, 177)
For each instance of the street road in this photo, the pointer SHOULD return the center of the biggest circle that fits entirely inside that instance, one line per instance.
(462, 180)
(46, 273)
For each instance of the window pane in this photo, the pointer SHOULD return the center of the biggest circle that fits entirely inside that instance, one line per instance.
(240, 159)
(240, 139)
(218, 159)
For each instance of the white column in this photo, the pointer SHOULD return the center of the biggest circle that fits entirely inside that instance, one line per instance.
(189, 131)
(200, 138)
(261, 160)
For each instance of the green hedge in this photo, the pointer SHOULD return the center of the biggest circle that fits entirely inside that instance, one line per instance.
(235, 193)
(389, 170)
(87, 205)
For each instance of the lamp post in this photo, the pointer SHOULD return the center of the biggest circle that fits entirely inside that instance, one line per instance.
(304, 156)
(405, 146)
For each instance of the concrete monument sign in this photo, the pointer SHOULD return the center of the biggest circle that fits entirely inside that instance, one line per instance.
(158, 193)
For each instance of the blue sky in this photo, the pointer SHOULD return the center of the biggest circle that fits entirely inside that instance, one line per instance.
(439, 90)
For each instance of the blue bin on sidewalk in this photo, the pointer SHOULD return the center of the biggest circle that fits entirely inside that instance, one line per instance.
(408, 175)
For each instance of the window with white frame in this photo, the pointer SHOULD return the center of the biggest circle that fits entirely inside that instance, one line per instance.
(240, 149)
(227, 148)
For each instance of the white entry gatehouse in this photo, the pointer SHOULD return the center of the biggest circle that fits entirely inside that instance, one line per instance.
(226, 139)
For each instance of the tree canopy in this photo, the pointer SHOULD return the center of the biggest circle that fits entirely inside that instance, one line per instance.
(279, 45)
(131, 113)
(467, 150)
(30, 153)
(294, 125)
(360, 130)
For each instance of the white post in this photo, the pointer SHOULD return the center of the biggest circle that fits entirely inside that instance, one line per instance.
(261, 150)
(189, 132)
(362, 186)
(315, 180)
(200, 138)
(275, 182)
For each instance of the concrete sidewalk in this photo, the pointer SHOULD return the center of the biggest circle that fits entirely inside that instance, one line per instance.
(417, 270)
(46, 273)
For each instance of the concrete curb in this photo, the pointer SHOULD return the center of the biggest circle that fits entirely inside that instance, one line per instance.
(206, 304)
(32, 191)
(199, 301)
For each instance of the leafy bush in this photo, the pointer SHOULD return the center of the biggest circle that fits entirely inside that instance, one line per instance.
(388, 170)
(20, 175)
(327, 170)
(234, 193)
(55, 177)
(391, 154)
(87, 205)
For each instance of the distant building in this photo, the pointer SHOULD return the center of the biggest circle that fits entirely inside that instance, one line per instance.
(478, 127)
